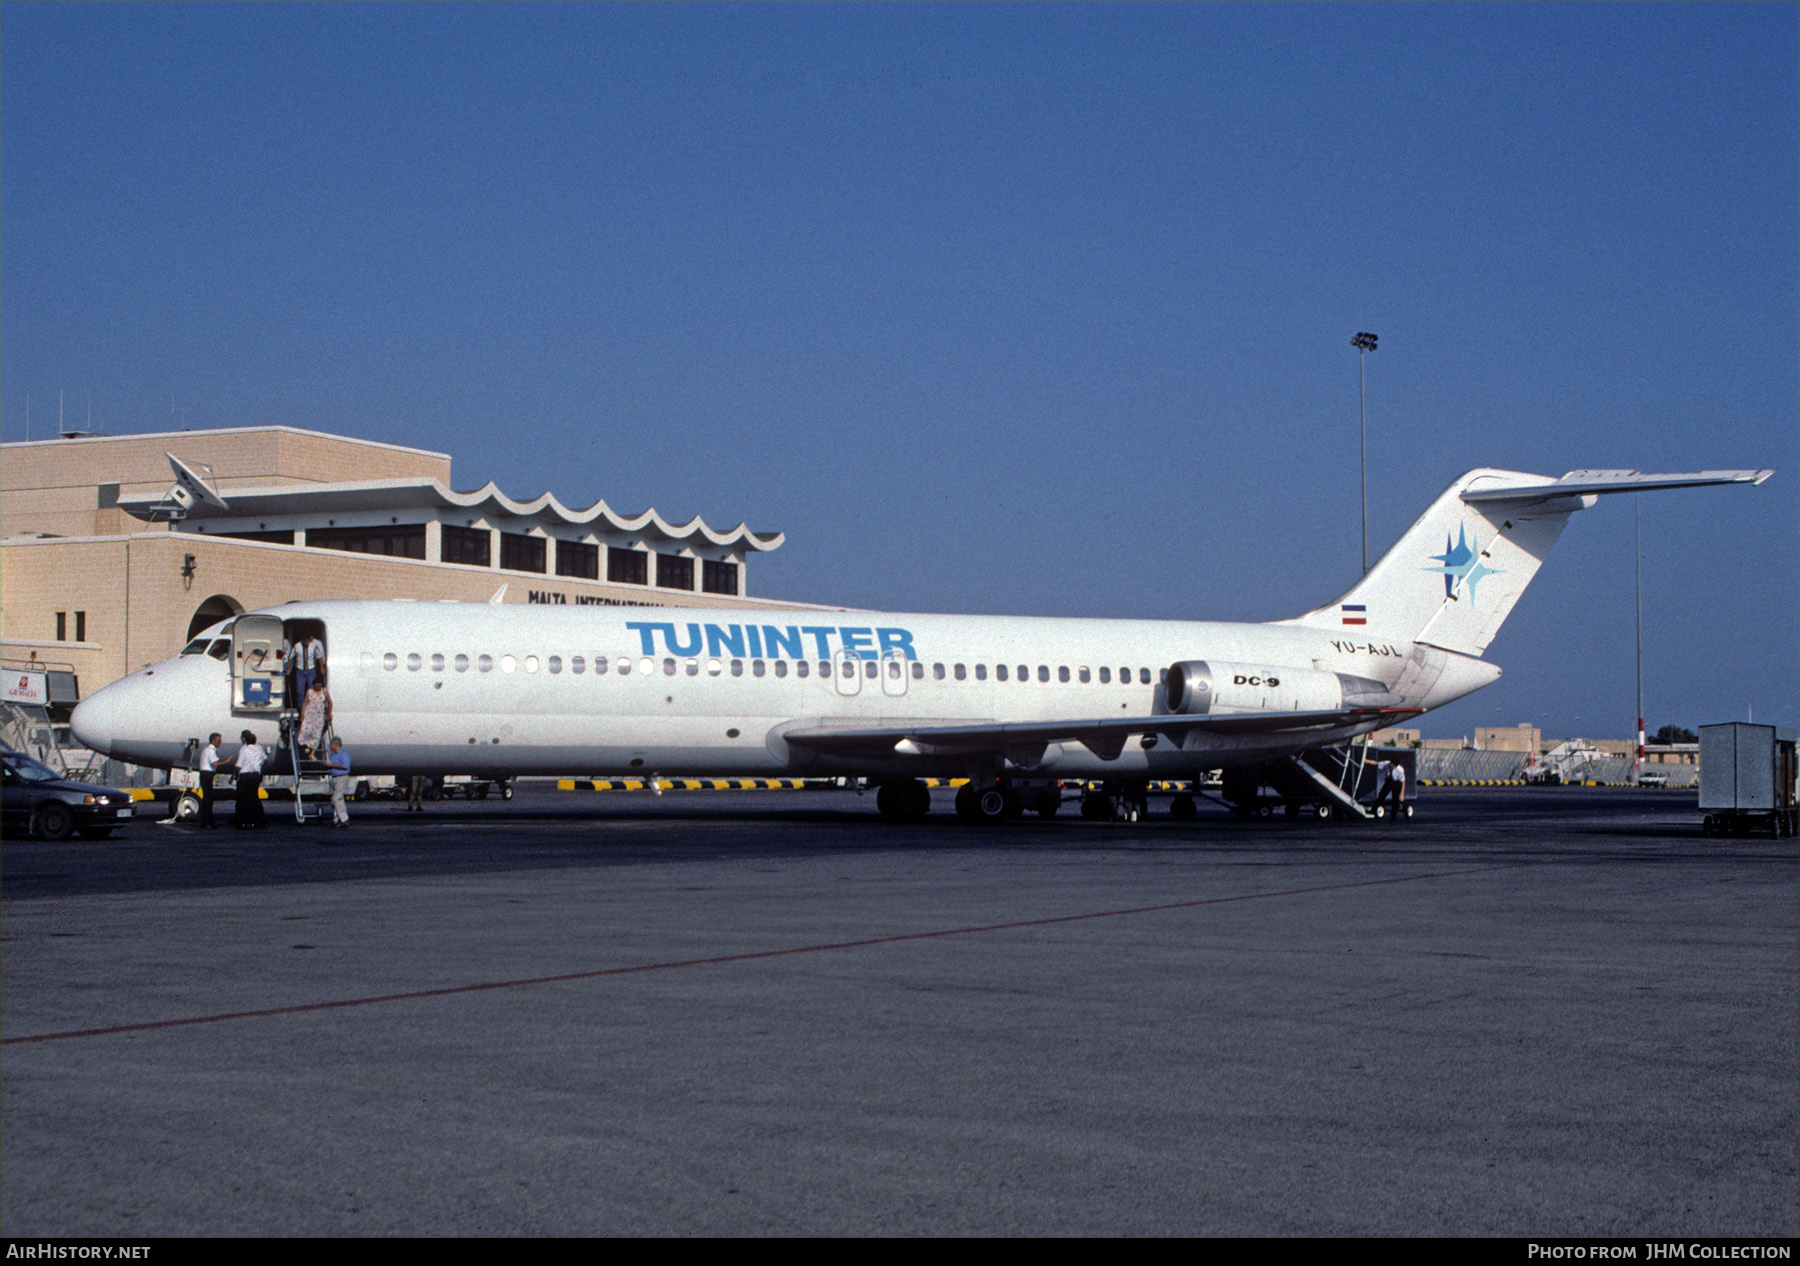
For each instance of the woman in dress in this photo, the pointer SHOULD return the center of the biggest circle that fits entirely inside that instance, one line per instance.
(315, 717)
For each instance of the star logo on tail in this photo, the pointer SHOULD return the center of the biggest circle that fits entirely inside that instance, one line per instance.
(1461, 565)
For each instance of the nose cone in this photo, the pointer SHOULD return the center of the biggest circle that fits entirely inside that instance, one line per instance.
(95, 721)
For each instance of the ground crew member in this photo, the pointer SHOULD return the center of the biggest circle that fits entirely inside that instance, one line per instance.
(249, 764)
(208, 767)
(1396, 787)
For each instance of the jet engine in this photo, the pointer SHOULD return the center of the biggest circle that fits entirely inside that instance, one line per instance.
(1197, 687)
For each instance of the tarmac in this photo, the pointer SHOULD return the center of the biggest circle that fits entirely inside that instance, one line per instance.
(1531, 1011)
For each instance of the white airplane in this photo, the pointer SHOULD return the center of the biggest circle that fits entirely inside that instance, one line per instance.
(1007, 702)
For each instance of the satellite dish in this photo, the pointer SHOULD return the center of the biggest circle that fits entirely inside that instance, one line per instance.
(190, 483)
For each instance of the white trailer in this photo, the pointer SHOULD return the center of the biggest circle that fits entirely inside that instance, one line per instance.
(1747, 779)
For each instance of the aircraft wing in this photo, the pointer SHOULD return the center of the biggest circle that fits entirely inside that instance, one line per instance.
(1104, 736)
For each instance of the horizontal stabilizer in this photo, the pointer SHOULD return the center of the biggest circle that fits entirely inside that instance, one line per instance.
(1586, 483)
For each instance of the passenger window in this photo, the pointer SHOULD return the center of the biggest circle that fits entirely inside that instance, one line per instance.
(390, 661)
(577, 665)
(757, 668)
(1124, 676)
(647, 665)
(1044, 673)
(824, 668)
(437, 663)
(1024, 672)
(713, 668)
(531, 663)
(737, 668)
(414, 663)
(600, 665)
(918, 671)
(693, 668)
(999, 672)
(1062, 674)
(981, 672)
(802, 667)
(1084, 676)
(937, 672)
(962, 673)
(1106, 676)
(1144, 676)
(485, 663)
(668, 668)
(868, 668)
(462, 663)
(1162, 676)
(555, 663)
(781, 668)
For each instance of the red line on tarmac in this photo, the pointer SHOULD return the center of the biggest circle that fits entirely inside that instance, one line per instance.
(752, 956)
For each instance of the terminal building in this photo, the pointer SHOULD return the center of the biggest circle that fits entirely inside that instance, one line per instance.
(102, 572)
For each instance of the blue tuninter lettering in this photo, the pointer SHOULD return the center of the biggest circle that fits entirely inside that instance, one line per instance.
(720, 642)
(896, 640)
(781, 643)
(821, 635)
(690, 647)
(755, 641)
(647, 633)
(861, 641)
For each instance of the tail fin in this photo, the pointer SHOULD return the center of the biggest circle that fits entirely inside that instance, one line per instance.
(1453, 578)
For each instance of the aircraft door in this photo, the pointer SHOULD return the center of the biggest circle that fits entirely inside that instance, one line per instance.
(847, 669)
(258, 664)
(894, 669)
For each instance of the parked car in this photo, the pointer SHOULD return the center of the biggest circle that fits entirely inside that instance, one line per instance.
(35, 798)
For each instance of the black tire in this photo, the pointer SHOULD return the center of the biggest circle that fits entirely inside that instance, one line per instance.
(188, 807)
(986, 805)
(53, 821)
(506, 791)
(1096, 807)
(1183, 808)
(908, 800)
(1323, 811)
(468, 791)
(481, 792)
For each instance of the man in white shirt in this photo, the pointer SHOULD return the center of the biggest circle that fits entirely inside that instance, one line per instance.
(249, 765)
(208, 768)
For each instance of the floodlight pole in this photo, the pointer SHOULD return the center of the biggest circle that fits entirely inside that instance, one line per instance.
(1637, 515)
(1364, 343)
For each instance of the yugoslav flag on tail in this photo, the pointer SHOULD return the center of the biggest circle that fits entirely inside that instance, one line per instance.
(1453, 578)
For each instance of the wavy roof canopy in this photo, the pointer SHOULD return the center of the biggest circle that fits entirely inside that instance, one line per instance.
(428, 494)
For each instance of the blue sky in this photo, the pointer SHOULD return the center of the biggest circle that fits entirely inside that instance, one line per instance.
(1037, 309)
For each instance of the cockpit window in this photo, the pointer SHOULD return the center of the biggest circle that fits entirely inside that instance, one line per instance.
(220, 649)
(195, 647)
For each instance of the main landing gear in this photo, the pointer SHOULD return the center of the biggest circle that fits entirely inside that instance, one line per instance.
(908, 800)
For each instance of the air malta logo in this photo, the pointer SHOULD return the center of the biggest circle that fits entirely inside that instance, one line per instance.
(1462, 566)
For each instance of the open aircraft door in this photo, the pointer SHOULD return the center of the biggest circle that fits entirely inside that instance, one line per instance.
(258, 664)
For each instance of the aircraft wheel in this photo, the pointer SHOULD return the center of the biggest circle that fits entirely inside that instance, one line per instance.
(1096, 807)
(1183, 809)
(506, 791)
(1379, 812)
(1013, 804)
(983, 804)
(887, 801)
(1265, 811)
(54, 822)
(187, 808)
(1406, 812)
(1322, 811)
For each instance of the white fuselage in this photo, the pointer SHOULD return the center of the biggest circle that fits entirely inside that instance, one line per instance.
(456, 688)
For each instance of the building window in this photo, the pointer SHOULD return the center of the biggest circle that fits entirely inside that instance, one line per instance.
(273, 538)
(576, 559)
(673, 572)
(62, 626)
(520, 552)
(400, 540)
(627, 566)
(81, 626)
(718, 577)
(470, 546)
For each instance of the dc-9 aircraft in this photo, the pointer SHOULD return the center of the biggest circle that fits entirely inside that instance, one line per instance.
(501, 690)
